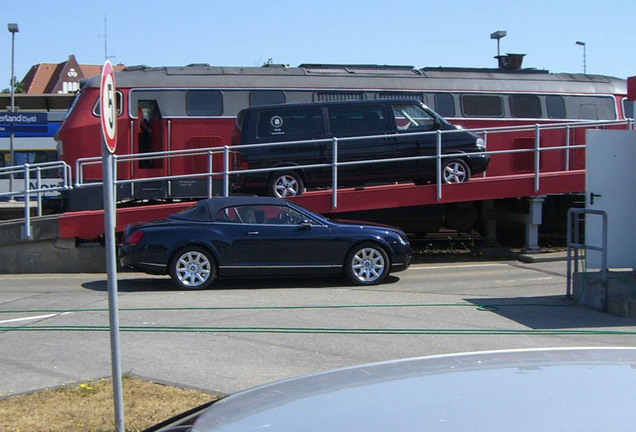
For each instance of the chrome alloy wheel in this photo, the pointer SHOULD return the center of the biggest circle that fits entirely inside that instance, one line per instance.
(368, 265)
(193, 269)
(286, 185)
(456, 171)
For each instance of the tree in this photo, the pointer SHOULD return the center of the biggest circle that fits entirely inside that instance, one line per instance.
(19, 87)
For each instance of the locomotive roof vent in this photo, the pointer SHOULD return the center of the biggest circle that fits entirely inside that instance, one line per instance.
(510, 61)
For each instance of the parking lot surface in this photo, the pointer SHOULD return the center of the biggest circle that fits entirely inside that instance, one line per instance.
(54, 328)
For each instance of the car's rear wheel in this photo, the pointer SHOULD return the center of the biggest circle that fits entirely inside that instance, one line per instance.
(192, 268)
(285, 184)
(367, 264)
(455, 171)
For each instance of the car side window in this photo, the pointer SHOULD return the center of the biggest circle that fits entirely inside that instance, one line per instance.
(410, 116)
(261, 215)
(227, 215)
(280, 215)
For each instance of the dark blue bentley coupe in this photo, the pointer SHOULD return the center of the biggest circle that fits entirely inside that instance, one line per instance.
(261, 236)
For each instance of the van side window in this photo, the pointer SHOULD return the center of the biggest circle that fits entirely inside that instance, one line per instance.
(285, 124)
(350, 120)
(412, 117)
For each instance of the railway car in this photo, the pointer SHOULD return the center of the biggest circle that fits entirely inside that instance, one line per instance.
(184, 108)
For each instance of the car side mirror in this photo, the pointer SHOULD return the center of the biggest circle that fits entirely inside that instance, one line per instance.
(305, 224)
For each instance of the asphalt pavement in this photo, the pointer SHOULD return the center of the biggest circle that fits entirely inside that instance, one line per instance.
(54, 327)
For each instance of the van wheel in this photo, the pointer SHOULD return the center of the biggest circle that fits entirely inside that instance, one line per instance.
(285, 184)
(455, 171)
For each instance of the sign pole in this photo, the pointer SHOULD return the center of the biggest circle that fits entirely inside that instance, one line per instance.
(109, 138)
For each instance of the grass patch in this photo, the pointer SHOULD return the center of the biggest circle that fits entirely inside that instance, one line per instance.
(89, 407)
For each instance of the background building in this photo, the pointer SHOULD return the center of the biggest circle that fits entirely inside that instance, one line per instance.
(60, 78)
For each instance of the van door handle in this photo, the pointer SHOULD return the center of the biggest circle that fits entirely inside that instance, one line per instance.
(252, 233)
(592, 196)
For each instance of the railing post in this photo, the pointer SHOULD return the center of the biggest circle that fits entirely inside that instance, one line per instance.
(26, 232)
(438, 160)
(568, 130)
(38, 184)
(226, 170)
(334, 173)
(537, 156)
(210, 156)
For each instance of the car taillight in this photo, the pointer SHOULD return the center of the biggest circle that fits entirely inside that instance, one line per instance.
(134, 238)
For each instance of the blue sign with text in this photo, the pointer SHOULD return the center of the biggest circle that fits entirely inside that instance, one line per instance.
(23, 122)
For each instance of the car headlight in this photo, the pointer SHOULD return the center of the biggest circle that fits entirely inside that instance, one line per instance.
(480, 144)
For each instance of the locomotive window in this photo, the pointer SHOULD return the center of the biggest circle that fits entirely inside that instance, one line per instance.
(590, 107)
(337, 96)
(628, 108)
(402, 95)
(204, 103)
(266, 97)
(445, 104)
(482, 106)
(97, 107)
(525, 106)
(556, 107)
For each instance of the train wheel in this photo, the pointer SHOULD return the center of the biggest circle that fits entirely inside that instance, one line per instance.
(455, 171)
(285, 184)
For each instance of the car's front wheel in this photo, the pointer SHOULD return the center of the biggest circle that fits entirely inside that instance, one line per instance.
(455, 171)
(367, 264)
(286, 184)
(192, 267)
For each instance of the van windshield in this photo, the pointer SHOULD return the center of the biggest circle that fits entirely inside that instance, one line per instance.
(411, 116)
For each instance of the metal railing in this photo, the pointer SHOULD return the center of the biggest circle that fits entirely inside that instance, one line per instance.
(36, 183)
(575, 243)
(335, 164)
(226, 153)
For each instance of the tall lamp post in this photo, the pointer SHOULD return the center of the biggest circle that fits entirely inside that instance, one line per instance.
(584, 56)
(13, 29)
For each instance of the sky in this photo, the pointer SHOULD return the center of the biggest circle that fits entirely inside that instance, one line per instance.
(420, 33)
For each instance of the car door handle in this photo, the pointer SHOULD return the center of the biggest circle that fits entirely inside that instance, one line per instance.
(252, 233)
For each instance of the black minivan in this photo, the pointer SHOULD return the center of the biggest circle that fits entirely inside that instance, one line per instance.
(368, 131)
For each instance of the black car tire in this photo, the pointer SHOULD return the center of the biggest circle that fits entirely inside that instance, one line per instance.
(285, 184)
(455, 171)
(367, 264)
(192, 268)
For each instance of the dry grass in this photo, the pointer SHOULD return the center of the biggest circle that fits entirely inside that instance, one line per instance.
(88, 407)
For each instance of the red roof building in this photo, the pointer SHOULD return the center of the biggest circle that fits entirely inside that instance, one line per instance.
(47, 78)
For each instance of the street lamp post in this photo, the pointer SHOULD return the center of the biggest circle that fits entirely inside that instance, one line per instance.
(13, 29)
(584, 56)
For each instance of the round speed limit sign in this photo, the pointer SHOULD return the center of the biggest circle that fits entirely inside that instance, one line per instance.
(108, 107)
